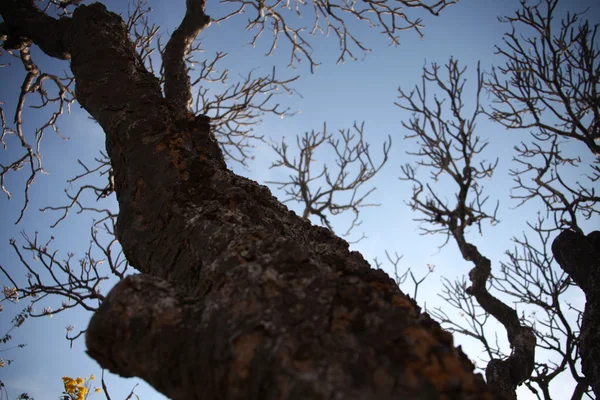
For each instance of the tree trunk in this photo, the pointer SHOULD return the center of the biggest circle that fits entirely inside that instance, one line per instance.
(579, 256)
(239, 298)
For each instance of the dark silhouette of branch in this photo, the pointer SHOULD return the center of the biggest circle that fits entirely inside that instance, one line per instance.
(235, 111)
(334, 187)
(549, 83)
(474, 318)
(34, 82)
(328, 17)
(401, 278)
(449, 145)
(531, 278)
(556, 72)
(565, 201)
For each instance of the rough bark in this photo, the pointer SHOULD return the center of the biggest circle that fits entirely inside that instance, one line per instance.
(579, 256)
(238, 297)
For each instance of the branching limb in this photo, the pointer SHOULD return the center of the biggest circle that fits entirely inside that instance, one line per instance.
(330, 191)
(33, 82)
(473, 318)
(401, 278)
(76, 282)
(328, 17)
(549, 83)
(532, 279)
(567, 202)
(102, 169)
(451, 146)
(145, 35)
(235, 111)
(550, 80)
(234, 106)
(448, 147)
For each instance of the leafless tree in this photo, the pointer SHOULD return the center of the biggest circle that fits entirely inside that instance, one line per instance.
(238, 297)
(337, 186)
(449, 145)
(548, 85)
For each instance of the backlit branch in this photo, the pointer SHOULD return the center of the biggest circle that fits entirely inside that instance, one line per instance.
(473, 318)
(550, 79)
(144, 34)
(77, 200)
(448, 145)
(329, 191)
(545, 180)
(235, 111)
(325, 17)
(549, 83)
(74, 282)
(401, 278)
(234, 106)
(531, 278)
(33, 82)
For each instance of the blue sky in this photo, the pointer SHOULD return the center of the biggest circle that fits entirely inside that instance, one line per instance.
(339, 94)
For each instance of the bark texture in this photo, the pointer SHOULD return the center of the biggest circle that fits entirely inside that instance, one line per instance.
(579, 256)
(239, 298)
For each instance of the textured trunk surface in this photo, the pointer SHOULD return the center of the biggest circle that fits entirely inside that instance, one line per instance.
(239, 298)
(579, 256)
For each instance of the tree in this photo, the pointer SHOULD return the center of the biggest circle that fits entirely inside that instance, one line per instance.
(238, 296)
(549, 84)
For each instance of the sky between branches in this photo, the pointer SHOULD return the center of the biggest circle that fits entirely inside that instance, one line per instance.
(338, 94)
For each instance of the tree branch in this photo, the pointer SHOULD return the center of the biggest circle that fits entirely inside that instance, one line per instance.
(178, 88)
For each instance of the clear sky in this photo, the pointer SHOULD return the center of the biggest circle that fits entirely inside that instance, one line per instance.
(339, 94)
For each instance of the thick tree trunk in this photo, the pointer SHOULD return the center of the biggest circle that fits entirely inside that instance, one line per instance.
(579, 256)
(239, 298)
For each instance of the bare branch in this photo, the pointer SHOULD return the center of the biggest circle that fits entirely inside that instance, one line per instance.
(102, 169)
(550, 82)
(400, 279)
(551, 78)
(447, 147)
(34, 83)
(235, 111)
(328, 17)
(450, 146)
(330, 191)
(531, 278)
